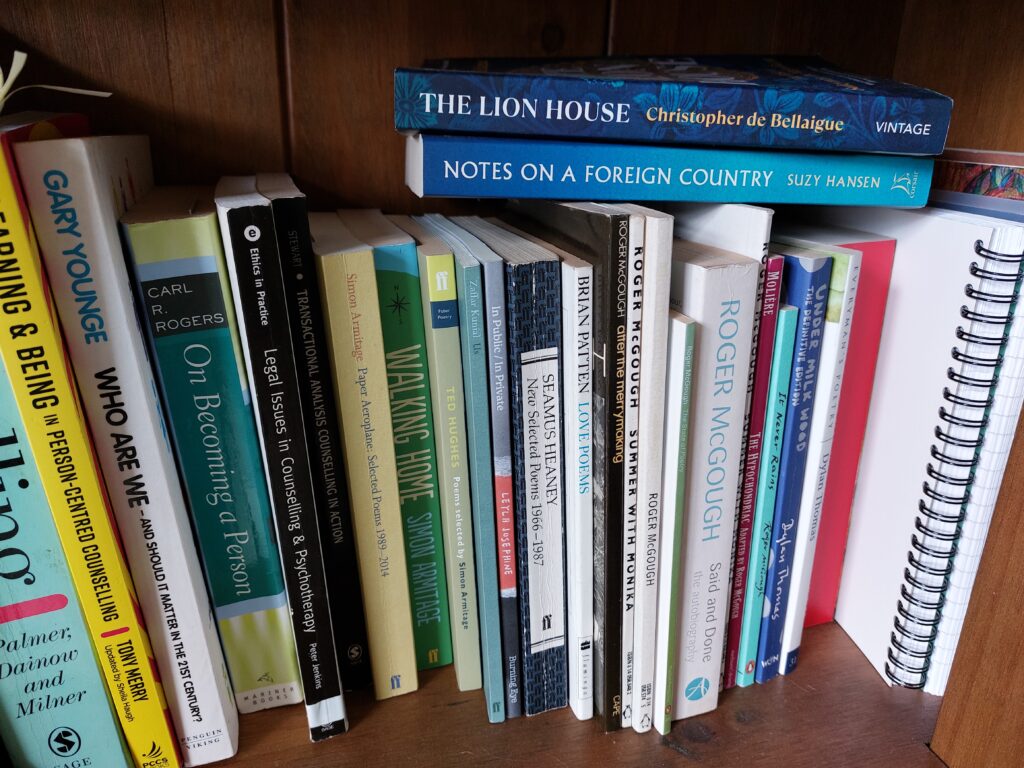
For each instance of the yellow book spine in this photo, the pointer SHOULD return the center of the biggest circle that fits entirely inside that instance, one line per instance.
(349, 286)
(33, 354)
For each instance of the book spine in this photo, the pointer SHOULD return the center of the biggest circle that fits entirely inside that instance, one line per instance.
(63, 696)
(646, 111)
(767, 485)
(835, 343)
(723, 300)
(320, 417)
(682, 339)
(851, 421)
(760, 372)
(473, 166)
(504, 492)
(609, 370)
(349, 287)
(473, 335)
(47, 402)
(657, 277)
(412, 423)
(534, 355)
(630, 500)
(254, 267)
(808, 291)
(441, 318)
(190, 331)
(93, 295)
(577, 354)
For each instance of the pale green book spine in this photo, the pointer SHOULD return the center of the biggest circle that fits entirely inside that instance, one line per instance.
(441, 318)
(767, 485)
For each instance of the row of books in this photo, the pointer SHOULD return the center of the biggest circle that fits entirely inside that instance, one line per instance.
(564, 459)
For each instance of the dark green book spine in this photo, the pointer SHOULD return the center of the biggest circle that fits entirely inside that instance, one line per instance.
(401, 314)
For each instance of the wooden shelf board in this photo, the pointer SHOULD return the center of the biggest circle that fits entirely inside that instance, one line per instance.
(834, 709)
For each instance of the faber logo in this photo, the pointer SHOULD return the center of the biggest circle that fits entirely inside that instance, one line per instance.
(252, 233)
(441, 280)
(697, 689)
(396, 682)
(64, 742)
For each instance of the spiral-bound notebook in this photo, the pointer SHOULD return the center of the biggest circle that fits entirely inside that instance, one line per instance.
(932, 431)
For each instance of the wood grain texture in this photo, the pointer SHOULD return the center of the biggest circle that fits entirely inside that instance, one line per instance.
(982, 712)
(859, 35)
(341, 58)
(970, 51)
(833, 710)
(201, 78)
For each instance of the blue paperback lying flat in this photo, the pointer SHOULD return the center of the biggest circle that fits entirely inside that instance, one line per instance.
(738, 101)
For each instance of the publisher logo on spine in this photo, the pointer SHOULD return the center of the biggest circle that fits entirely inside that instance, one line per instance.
(905, 182)
(252, 233)
(64, 741)
(697, 689)
(154, 757)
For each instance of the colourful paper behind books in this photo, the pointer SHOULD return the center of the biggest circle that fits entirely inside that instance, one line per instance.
(767, 485)
(475, 166)
(781, 102)
(205, 390)
(851, 421)
(412, 422)
(37, 600)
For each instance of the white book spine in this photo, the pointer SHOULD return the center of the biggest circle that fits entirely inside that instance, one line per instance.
(631, 500)
(835, 341)
(722, 300)
(578, 343)
(657, 276)
(681, 338)
(76, 192)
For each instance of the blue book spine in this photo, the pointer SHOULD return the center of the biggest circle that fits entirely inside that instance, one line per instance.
(474, 166)
(732, 111)
(767, 485)
(469, 285)
(534, 335)
(805, 281)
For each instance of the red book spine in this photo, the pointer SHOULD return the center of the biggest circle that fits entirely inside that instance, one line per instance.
(770, 295)
(851, 421)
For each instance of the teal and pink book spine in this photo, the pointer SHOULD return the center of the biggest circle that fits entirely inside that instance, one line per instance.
(486, 167)
(54, 708)
(781, 364)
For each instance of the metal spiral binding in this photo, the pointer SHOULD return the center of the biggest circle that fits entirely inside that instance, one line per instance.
(959, 435)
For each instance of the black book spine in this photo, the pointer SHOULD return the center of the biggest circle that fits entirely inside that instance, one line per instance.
(266, 340)
(323, 440)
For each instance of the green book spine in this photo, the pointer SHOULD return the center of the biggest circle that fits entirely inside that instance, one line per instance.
(181, 278)
(441, 316)
(767, 485)
(478, 413)
(401, 315)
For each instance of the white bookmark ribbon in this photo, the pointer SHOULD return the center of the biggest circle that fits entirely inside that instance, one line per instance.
(17, 64)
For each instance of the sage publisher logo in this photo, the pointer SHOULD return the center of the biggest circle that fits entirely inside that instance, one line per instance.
(64, 741)
(697, 689)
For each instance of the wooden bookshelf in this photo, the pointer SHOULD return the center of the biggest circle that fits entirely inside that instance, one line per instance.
(833, 709)
(234, 86)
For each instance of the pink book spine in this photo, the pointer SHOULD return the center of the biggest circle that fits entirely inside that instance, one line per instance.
(851, 421)
(761, 369)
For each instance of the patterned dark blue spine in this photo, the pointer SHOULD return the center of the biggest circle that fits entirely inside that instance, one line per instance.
(534, 322)
(877, 116)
